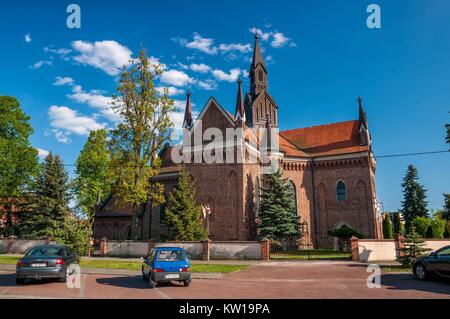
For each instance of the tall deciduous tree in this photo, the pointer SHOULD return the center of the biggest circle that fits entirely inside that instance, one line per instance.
(183, 214)
(277, 209)
(144, 128)
(51, 197)
(414, 202)
(92, 182)
(18, 159)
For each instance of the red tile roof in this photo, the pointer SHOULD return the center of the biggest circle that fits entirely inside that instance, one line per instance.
(328, 139)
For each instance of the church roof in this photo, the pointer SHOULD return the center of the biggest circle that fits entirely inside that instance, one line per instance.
(329, 139)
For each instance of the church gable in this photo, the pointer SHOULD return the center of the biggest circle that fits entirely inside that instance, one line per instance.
(214, 115)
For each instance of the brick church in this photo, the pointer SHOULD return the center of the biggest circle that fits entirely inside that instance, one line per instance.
(330, 167)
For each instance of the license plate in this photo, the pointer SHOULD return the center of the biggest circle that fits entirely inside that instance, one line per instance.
(172, 276)
(39, 265)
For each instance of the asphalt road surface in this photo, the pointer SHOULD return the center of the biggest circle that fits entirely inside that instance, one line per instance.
(266, 280)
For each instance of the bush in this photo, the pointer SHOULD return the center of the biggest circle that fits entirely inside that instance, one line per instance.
(387, 227)
(438, 227)
(344, 233)
(421, 225)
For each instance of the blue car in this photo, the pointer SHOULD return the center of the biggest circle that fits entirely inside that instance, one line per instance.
(166, 264)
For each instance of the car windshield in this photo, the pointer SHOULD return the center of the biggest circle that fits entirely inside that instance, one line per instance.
(170, 255)
(44, 251)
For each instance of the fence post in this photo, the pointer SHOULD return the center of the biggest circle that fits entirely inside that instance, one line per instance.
(151, 244)
(265, 249)
(399, 245)
(10, 243)
(103, 247)
(354, 248)
(206, 249)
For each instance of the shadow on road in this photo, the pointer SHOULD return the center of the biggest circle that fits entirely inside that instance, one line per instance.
(135, 282)
(8, 280)
(409, 282)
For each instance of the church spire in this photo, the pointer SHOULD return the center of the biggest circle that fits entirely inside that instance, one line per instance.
(364, 134)
(362, 114)
(187, 122)
(258, 72)
(240, 111)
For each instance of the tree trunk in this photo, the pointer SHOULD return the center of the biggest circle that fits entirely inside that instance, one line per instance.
(134, 222)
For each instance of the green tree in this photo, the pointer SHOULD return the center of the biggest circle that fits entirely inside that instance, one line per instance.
(144, 128)
(438, 226)
(91, 184)
(414, 197)
(414, 247)
(398, 224)
(183, 214)
(387, 227)
(18, 159)
(74, 233)
(446, 211)
(51, 198)
(277, 209)
(421, 225)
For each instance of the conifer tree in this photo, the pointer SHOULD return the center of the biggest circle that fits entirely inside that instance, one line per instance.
(414, 202)
(446, 211)
(414, 247)
(51, 200)
(277, 209)
(387, 227)
(183, 214)
(398, 224)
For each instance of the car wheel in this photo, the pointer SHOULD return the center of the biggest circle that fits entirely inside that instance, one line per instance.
(20, 281)
(144, 277)
(421, 272)
(151, 282)
(187, 283)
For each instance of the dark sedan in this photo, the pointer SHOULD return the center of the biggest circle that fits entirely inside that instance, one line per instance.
(436, 263)
(46, 261)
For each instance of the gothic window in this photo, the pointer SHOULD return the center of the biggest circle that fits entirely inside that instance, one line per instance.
(294, 194)
(261, 76)
(341, 193)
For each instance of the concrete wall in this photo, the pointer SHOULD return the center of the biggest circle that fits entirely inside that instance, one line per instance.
(235, 250)
(3, 246)
(436, 243)
(377, 250)
(194, 249)
(20, 246)
(387, 250)
(126, 248)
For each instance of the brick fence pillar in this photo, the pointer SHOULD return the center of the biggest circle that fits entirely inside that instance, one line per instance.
(151, 244)
(103, 246)
(354, 248)
(206, 249)
(399, 245)
(265, 249)
(10, 243)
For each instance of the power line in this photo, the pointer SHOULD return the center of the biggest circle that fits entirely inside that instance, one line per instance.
(377, 157)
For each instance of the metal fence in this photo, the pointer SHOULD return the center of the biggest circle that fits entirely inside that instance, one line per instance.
(292, 249)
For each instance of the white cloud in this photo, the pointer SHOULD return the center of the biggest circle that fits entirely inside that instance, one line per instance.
(42, 153)
(172, 90)
(229, 77)
(176, 78)
(41, 63)
(279, 40)
(62, 52)
(243, 48)
(28, 38)
(108, 56)
(95, 99)
(66, 121)
(205, 45)
(200, 68)
(263, 35)
(208, 85)
(60, 81)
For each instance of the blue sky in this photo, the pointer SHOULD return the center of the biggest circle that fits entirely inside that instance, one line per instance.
(320, 56)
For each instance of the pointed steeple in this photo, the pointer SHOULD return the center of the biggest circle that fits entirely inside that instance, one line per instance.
(187, 122)
(362, 114)
(258, 71)
(240, 111)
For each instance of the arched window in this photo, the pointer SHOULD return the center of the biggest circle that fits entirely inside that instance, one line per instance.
(341, 193)
(261, 76)
(294, 194)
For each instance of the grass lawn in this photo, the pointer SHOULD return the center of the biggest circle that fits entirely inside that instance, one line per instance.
(134, 265)
(316, 254)
(396, 269)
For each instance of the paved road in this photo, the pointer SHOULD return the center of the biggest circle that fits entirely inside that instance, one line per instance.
(269, 280)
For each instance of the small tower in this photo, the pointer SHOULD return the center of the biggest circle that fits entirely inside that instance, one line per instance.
(240, 110)
(363, 126)
(187, 122)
